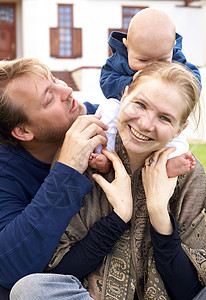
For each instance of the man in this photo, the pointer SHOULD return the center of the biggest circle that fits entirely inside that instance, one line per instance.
(38, 115)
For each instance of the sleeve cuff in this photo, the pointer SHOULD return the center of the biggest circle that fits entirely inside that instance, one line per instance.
(161, 240)
(118, 221)
(71, 178)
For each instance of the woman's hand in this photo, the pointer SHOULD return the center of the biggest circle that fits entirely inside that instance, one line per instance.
(158, 190)
(118, 192)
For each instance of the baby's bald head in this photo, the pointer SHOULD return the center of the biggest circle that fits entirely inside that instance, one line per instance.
(151, 34)
(152, 23)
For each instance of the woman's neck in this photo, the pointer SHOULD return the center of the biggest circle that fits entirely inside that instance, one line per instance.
(137, 160)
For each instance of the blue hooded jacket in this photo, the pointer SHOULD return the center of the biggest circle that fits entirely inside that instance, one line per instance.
(116, 73)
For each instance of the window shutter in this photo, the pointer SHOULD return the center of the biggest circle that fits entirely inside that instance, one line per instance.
(77, 42)
(54, 42)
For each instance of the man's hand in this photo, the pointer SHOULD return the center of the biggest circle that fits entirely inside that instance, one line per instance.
(86, 133)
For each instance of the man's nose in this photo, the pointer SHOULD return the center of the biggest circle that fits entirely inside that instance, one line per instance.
(66, 92)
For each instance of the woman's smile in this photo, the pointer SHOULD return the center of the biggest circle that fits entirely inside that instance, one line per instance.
(148, 117)
(138, 135)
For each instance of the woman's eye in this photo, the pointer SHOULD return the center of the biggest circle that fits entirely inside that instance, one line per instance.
(163, 118)
(141, 104)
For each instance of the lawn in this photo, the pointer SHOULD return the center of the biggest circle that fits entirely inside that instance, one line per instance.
(199, 150)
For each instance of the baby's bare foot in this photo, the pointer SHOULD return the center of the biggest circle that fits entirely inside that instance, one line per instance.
(180, 165)
(100, 162)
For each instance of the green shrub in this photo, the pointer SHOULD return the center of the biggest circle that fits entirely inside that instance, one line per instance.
(199, 150)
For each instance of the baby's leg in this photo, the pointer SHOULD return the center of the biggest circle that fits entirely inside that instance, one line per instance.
(180, 165)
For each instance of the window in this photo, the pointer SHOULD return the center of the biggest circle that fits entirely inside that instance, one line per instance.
(6, 14)
(65, 40)
(65, 31)
(128, 13)
(65, 15)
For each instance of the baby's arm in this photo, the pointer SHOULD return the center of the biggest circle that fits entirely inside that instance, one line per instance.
(113, 80)
(180, 161)
(109, 111)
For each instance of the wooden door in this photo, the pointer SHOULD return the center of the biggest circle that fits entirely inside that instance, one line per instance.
(7, 31)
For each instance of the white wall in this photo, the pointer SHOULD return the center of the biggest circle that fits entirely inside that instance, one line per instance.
(95, 17)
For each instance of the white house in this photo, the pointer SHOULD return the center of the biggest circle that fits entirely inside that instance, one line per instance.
(71, 36)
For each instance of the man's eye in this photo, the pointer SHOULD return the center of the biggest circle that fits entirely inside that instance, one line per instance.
(50, 99)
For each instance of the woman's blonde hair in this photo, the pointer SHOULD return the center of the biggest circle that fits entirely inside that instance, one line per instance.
(11, 114)
(178, 75)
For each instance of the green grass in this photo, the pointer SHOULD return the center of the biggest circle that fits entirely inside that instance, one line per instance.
(199, 150)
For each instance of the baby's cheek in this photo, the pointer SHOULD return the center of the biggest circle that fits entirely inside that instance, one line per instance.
(137, 66)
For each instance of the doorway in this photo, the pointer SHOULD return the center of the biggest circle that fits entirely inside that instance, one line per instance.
(7, 31)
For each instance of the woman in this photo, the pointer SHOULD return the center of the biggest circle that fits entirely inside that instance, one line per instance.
(154, 109)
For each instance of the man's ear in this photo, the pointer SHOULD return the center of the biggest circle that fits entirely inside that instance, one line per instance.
(124, 40)
(22, 133)
(180, 130)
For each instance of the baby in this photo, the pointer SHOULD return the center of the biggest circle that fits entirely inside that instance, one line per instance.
(151, 37)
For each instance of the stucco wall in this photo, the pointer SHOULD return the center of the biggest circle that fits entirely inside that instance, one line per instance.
(95, 17)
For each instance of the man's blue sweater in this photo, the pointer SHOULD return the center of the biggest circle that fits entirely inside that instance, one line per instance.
(36, 206)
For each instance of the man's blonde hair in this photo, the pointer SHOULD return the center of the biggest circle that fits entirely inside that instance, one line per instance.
(11, 114)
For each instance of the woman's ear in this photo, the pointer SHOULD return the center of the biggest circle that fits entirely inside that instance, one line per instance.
(22, 133)
(126, 92)
(124, 40)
